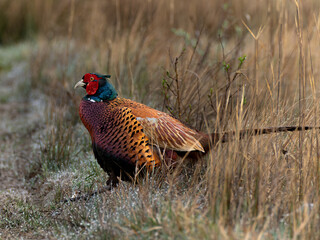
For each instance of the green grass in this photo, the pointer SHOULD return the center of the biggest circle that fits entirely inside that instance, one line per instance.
(23, 216)
(13, 54)
(197, 61)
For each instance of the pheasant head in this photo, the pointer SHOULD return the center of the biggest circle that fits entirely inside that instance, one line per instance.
(98, 87)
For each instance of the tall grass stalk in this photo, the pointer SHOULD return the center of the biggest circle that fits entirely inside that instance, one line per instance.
(215, 66)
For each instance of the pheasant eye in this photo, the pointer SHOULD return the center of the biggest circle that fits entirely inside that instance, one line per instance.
(92, 78)
(87, 78)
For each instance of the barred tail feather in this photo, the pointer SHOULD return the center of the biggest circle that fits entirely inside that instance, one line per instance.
(230, 136)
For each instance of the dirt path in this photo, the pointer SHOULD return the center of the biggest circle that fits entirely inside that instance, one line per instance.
(20, 120)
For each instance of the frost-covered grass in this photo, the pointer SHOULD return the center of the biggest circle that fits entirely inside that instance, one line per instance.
(197, 61)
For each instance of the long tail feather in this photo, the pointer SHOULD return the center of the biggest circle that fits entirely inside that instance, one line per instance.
(229, 136)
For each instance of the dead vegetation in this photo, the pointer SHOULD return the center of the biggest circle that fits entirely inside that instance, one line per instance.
(216, 66)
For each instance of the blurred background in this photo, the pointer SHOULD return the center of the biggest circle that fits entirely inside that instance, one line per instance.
(213, 48)
(215, 65)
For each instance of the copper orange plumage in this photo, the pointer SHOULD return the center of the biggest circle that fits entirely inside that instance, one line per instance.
(127, 135)
(124, 132)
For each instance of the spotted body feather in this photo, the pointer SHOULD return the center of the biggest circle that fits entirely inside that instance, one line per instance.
(118, 139)
(126, 134)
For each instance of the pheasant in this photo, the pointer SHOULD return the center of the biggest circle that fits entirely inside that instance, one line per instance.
(126, 135)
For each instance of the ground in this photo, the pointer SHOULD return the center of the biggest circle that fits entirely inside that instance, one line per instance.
(215, 66)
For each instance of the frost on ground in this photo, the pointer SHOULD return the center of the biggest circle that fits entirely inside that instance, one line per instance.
(20, 119)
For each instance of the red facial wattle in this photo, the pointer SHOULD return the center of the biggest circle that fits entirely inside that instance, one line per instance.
(87, 77)
(92, 83)
(92, 87)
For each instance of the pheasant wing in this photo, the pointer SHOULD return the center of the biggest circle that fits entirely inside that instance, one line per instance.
(167, 132)
(121, 139)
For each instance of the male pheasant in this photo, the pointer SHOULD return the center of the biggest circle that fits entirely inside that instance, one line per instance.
(125, 134)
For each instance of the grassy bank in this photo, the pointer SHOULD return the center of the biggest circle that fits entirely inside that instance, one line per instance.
(216, 66)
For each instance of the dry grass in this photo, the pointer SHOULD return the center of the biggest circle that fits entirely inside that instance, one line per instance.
(216, 66)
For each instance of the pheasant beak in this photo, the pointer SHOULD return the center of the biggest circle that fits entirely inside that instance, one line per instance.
(80, 84)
